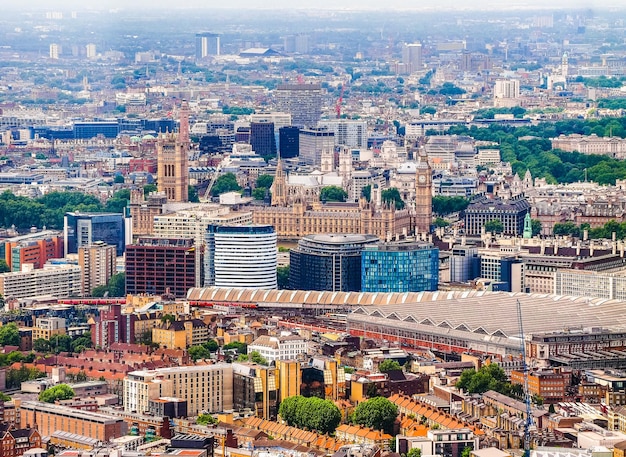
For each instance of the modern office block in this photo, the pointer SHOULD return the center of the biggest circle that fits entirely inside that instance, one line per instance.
(262, 138)
(328, 262)
(241, 256)
(207, 45)
(405, 266)
(83, 229)
(289, 142)
(313, 142)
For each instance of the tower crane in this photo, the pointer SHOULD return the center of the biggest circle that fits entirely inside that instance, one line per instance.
(528, 422)
(216, 173)
(340, 101)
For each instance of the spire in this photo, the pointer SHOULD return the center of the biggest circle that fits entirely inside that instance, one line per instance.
(279, 186)
(183, 133)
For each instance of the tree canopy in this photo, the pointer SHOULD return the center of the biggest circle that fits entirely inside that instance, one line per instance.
(392, 196)
(494, 226)
(389, 365)
(333, 194)
(225, 183)
(489, 377)
(443, 205)
(205, 419)
(9, 335)
(310, 413)
(58, 392)
(377, 413)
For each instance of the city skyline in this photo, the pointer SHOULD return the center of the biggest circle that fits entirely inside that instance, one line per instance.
(326, 5)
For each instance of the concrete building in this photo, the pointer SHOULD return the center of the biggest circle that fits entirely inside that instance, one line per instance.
(506, 93)
(241, 256)
(98, 263)
(181, 334)
(207, 45)
(33, 248)
(404, 266)
(412, 57)
(591, 144)
(302, 101)
(348, 133)
(328, 262)
(510, 213)
(274, 348)
(206, 388)
(60, 281)
(144, 209)
(111, 326)
(313, 142)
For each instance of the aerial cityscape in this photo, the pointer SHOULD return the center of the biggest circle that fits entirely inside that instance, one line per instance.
(287, 229)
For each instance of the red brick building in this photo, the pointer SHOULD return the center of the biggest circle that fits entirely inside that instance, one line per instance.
(14, 442)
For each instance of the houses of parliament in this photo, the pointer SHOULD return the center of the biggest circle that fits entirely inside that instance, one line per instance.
(295, 217)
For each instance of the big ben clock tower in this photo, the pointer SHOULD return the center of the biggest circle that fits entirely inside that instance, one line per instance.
(423, 195)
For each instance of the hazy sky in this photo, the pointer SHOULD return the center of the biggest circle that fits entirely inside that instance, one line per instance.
(310, 4)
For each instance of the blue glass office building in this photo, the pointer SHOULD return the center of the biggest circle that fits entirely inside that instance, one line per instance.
(404, 266)
(83, 229)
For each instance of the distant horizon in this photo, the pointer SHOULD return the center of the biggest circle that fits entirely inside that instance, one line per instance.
(353, 5)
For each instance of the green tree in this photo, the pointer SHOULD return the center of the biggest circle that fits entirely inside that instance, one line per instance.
(192, 194)
(240, 347)
(99, 291)
(225, 183)
(377, 413)
(16, 376)
(259, 193)
(117, 285)
(211, 346)
(392, 196)
(494, 226)
(256, 357)
(206, 419)
(536, 226)
(439, 222)
(389, 365)
(551, 409)
(4, 266)
(41, 345)
(265, 181)
(467, 451)
(198, 352)
(367, 192)
(149, 188)
(9, 335)
(4, 397)
(445, 205)
(119, 179)
(333, 194)
(414, 452)
(489, 377)
(58, 392)
(118, 201)
(310, 413)
(282, 275)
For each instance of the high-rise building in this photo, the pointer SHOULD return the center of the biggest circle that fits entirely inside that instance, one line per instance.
(506, 88)
(241, 256)
(97, 262)
(55, 50)
(160, 265)
(312, 142)
(173, 160)
(113, 326)
(412, 57)
(423, 196)
(33, 248)
(289, 142)
(404, 266)
(83, 229)
(347, 133)
(207, 45)
(90, 51)
(328, 262)
(302, 101)
(60, 281)
(262, 138)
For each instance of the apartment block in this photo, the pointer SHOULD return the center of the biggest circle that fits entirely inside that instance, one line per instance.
(47, 327)
(97, 262)
(57, 280)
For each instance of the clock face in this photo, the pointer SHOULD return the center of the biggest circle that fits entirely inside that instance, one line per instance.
(422, 179)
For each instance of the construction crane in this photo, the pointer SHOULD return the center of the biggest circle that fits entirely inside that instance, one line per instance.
(340, 101)
(528, 423)
(216, 173)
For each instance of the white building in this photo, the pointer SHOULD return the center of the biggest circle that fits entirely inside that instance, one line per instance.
(347, 133)
(57, 280)
(241, 256)
(506, 88)
(90, 50)
(274, 348)
(55, 50)
(205, 387)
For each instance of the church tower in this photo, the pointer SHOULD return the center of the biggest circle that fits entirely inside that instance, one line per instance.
(423, 196)
(173, 160)
(328, 160)
(279, 186)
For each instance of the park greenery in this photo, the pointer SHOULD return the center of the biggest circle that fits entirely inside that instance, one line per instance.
(443, 205)
(392, 196)
(310, 413)
(254, 357)
(58, 392)
(489, 377)
(16, 376)
(206, 419)
(377, 413)
(9, 335)
(577, 231)
(263, 184)
(63, 343)
(529, 148)
(494, 226)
